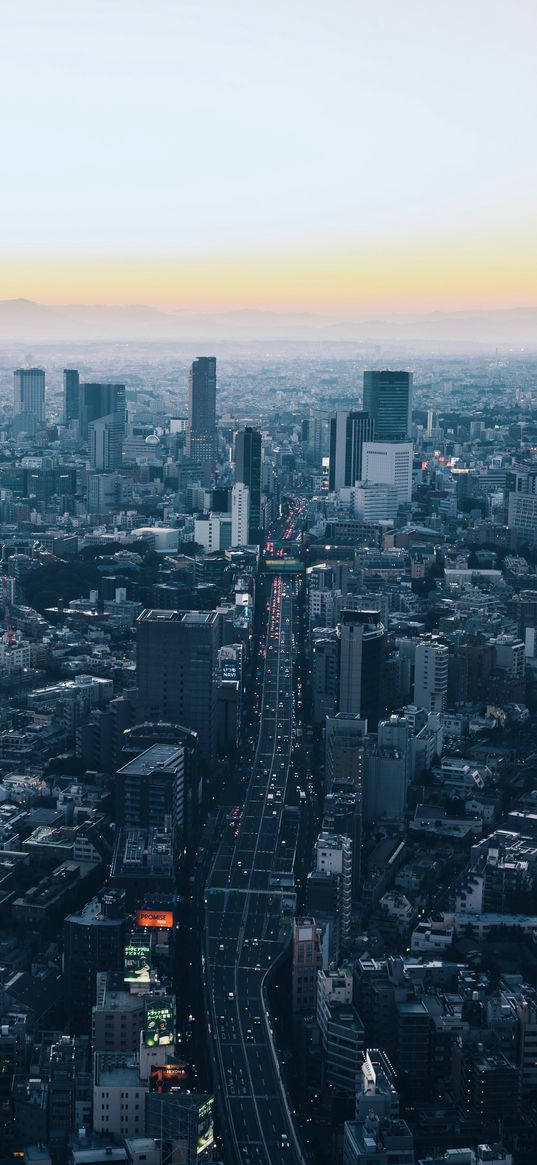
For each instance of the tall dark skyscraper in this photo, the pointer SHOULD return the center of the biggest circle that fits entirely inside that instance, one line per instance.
(71, 395)
(388, 400)
(100, 400)
(201, 432)
(361, 653)
(348, 431)
(248, 471)
(29, 393)
(176, 655)
(93, 940)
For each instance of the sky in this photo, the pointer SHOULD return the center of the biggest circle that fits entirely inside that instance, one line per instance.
(361, 156)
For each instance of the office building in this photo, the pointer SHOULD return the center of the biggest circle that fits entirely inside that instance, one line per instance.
(29, 395)
(117, 1017)
(176, 662)
(375, 502)
(201, 438)
(344, 752)
(213, 532)
(388, 400)
(342, 1031)
(150, 791)
(386, 781)
(526, 1042)
(182, 1123)
(389, 463)
(248, 471)
(522, 517)
(71, 395)
(307, 962)
(361, 654)
(333, 856)
(324, 673)
(240, 515)
(108, 491)
(105, 442)
(373, 1141)
(342, 814)
(376, 1090)
(431, 676)
(118, 1095)
(100, 400)
(94, 941)
(317, 435)
(348, 432)
(143, 736)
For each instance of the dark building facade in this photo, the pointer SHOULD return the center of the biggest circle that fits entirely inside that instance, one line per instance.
(71, 395)
(176, 657)
(388, 401)
(201, 432)
(248, 471)
(93, 941)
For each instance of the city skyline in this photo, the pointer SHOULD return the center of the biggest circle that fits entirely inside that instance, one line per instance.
(326, 160)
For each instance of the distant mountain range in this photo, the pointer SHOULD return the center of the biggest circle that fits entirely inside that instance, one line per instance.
(23, 321)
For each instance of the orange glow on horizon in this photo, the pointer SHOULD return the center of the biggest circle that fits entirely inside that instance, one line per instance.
(422, 275)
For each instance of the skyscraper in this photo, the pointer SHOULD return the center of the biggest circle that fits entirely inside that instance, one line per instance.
(348, 432)
(100, 400)
(240, 515)
(201, 432)
(71, 395)
(389, 463)
(105, 442)
(248, 471)
(176, 658)
(361, 652)
(29, 393)
(431, 676)
(93, 941)
(388, 400)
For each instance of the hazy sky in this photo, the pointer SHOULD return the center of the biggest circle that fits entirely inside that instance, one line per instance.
(318, 154)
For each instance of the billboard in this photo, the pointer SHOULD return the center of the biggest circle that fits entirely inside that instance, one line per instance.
(158, 918)
(159, 1022)
(137, 960)
(169, 1078)
(205, 1126)
(229, 671)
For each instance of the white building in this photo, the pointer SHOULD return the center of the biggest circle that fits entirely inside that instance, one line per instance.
(375, 501)
(389, 463)
(431, 676)
(163, 539)
(522, 516)
(213, 532)
(240, 514)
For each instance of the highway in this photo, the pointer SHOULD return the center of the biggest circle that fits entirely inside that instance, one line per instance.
(249, 905)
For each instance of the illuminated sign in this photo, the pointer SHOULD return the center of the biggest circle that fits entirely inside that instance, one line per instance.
(137, 961)
(159, 918)
(229, 671)
(205, 1126)
(159, 1023)
(168, 1078)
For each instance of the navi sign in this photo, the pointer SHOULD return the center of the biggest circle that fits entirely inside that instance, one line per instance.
(229, 671)
(159, 1023)
(137, 961)
(205, 1126)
